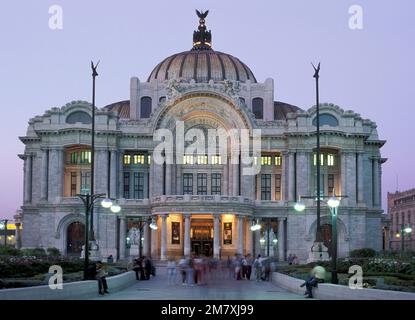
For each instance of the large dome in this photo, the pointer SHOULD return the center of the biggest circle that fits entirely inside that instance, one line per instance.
(202, 63)
(202, 66)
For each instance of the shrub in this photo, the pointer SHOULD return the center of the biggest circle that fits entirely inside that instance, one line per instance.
(9, 251)
(54, 252)
(363, 253)
(35, 252)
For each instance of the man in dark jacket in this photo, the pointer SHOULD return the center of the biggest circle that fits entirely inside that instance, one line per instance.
(310, 283)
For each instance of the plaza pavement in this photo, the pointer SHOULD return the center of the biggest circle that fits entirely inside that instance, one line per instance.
(218, 286)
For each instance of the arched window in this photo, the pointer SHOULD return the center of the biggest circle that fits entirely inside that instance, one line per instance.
(241, 101)
(162, 99)
(79, 116)
(326, 120)
(145, 107)
(258, 108)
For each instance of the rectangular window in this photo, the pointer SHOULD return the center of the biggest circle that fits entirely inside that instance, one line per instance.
(202, 159)
(138, 185)
(138, 159)
(266, 160)
(73, 184)
(188, 159)
(148, 159)
(330, 160)
(321, 159)
(126, 185)
(278, 161)
(216, 160)
(216, 183)
(127, 159)
(187, 183)
(265, 187)
(85, 182)
(74, 158)
(277, 187)
(85, 157)
(330, 184)
(202, 183)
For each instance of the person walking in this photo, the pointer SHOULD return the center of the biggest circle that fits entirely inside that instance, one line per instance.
(258, 268)
(183, 266)
(249, 262)
(171, 271)
(101, 278)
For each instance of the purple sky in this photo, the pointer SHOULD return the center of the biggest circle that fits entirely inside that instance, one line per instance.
(370, 71)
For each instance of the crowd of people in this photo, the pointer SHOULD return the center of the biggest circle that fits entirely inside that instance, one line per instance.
(197, 270)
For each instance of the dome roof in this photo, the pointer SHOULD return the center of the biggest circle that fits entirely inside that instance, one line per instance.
(202, 63)
(202, 66)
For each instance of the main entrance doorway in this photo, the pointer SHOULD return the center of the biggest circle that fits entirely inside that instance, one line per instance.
(75, 238)
(201, 237)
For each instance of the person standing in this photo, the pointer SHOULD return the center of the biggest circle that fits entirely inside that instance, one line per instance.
(101, 278)
(248, 266)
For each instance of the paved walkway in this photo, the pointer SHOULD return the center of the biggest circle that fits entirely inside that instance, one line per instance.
(217, 287)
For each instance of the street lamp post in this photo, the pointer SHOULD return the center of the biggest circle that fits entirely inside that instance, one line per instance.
(318, 229)
(89, 198)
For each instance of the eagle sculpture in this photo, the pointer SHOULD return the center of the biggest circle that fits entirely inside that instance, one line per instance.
(201, 14)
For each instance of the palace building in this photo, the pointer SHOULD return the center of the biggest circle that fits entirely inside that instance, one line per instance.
(204, 205)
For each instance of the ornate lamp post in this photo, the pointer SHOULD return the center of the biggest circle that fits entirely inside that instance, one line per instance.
(89, 198)
(318, 229)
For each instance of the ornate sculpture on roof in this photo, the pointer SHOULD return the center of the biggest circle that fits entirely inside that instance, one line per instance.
(202, 39)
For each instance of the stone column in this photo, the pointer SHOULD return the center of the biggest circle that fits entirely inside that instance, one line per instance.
(186, 249)
(343, 173)
(163, 245)
(18, 244)
(360, 178)
(240, 249)
(28, 178)
(225, 179)
(123, 231)
(283, 176)
(179, 179)
(60, 172)
(101, 171)
(121, 174)
(291, 177)
(351, 178)
(154, 249)
(376, 181)
(147, 239)
(44, 181)
(303, 173)
(281, 239)
(113, 174)
(250, 240)
(235, 179)
(257, 242)
(216, 237)
(168, 179)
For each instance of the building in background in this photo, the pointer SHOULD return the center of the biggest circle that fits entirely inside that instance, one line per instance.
(205, 206)
(401, 212)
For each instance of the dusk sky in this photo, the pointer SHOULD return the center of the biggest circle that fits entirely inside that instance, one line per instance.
(370, 71)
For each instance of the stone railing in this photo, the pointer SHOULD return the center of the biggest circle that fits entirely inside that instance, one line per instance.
(70, 291)
(203, 199)
(327, 291)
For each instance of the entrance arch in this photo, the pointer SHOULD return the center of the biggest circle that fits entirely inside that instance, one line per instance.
(75, 238)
